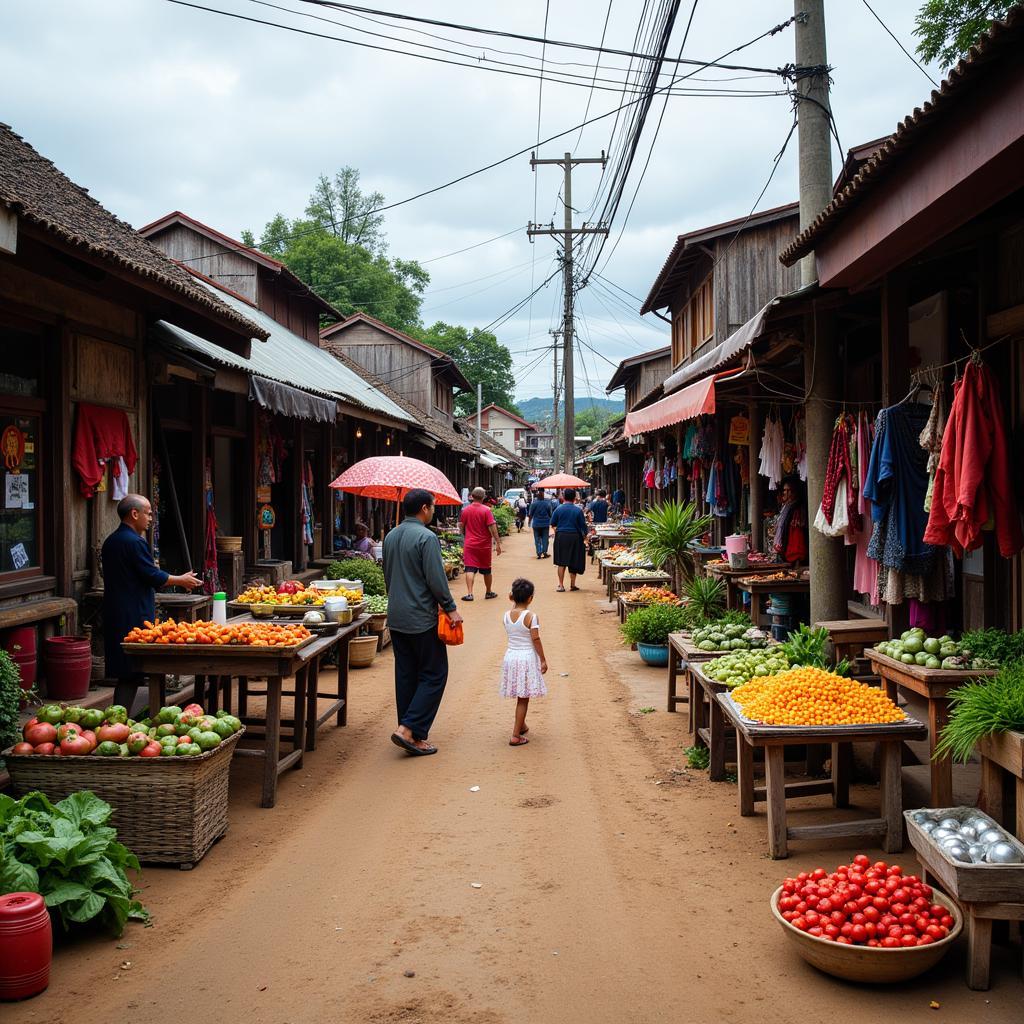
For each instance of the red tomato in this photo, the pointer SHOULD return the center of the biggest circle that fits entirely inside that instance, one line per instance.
(88, 734)
(43, 748)
(889, 942)
(926, 890)
(925, 940)
(880, 865)
(895, 931)
(937, 910)
(819, 873)
(858, 933)
(872, 914)
(845, 940)
(934, 931)
(831, 931)
(150, 750)
(39, 732)
(908, 941)
(898, 908)
(815, 931)
(895, 869)
(837, 917)
(861, 861)
(23, 748)
(116, 732)
(846, 930)
(825, 906)
(799, 922)
(946, 921)
(75, 744)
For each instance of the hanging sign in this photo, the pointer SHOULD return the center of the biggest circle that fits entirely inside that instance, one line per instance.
(267, 517)
(12, 448)
(263, 494)
(739, 430)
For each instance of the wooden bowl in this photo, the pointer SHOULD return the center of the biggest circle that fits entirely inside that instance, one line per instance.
(868, 963)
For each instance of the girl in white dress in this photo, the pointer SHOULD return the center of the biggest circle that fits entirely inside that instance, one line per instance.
(522, 671)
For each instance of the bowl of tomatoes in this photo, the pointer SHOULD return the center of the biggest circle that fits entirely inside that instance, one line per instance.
(866, 921)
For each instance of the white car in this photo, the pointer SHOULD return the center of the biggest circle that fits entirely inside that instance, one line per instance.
(513, 494)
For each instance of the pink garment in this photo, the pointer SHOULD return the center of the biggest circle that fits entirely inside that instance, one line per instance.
(865, 569)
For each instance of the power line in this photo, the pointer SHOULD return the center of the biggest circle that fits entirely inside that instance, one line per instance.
(920, 67)
(597, 64)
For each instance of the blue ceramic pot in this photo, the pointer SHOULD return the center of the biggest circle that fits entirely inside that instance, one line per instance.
(653, 654)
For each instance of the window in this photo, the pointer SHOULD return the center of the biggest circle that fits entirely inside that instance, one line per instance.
(700, 317)
(679, 337)
(20, 521)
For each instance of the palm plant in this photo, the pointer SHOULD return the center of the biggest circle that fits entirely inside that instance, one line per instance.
(706, 597)
(664, 534)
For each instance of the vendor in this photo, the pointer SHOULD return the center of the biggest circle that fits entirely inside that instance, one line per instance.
(362, 542)
(130, 581)
(791, 528)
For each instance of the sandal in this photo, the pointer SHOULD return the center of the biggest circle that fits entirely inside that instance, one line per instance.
(574, 588)
(490, 595)
(559, 590)
(467, 597)
(518, 741)
(411, 748)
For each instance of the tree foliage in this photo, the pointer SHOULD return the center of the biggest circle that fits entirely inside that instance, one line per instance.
(483, 360)
(340, 206)
(949, 28)
(592, 421)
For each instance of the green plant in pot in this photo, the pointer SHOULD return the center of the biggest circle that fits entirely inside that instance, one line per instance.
(649, 629)
(664, 534)
(705, 599)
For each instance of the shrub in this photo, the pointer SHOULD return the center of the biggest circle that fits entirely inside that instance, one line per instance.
(364, 569)
(10, 701)
(706, 596)
(653, 624)
(504, 517)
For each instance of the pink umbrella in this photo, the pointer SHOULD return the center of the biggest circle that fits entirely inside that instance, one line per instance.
(560, 480)
(391, 477)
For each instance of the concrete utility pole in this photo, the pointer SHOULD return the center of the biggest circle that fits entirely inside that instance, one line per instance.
(555, 335)
(821, 365)
(567, 163)
(479, 410)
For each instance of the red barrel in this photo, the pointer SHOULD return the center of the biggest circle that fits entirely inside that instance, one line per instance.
(26, 945)
(20, 644)
(68, 664)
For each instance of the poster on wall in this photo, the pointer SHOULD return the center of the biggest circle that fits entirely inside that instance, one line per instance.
(19, 556)
(16, 491)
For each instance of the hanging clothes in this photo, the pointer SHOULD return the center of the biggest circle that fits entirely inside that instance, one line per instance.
(772, 444)
(931, 440)
(865, 568)
(840, 487)
(101, 433)
(973, 482)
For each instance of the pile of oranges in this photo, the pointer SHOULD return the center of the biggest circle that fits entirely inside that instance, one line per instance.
(813, 696)
(651, 595)
(242, 634)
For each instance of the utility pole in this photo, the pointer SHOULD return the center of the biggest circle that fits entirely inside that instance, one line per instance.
(555, 468)
(479, 410)
(567, 232)
(821, 366)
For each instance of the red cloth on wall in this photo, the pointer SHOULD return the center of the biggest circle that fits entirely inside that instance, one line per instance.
(973, 483)
(101, 433)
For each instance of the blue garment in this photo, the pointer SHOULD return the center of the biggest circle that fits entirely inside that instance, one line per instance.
(541, 539)
(599, 510)
(130, 581)
(540, 513)
(569, 518)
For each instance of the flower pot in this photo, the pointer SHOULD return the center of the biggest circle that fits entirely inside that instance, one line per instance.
(653, 654)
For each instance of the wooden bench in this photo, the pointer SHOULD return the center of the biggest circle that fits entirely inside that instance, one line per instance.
(46, 609)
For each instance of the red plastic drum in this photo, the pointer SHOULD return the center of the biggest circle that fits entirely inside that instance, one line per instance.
(26, 945)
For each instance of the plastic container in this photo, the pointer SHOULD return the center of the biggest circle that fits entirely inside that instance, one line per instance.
(220, 607)
(737, 550)
(20, 644)
(67, 662)
(337, 610)
(26, 945)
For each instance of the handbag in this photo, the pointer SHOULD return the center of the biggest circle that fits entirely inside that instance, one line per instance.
(448, 632)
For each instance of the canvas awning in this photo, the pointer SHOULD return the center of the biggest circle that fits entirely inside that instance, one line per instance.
(692, 401)
(289, 401)
(489, 460)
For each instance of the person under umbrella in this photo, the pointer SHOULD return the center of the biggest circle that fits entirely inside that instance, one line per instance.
(570, 526)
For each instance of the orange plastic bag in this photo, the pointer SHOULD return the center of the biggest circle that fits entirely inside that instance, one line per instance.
(448, 632)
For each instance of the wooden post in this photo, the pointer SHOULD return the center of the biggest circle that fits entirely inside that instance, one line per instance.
(680, 484)
(754, 415)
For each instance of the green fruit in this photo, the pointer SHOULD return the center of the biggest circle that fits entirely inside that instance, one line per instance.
(166, 729)
(907, 659)
(168, 741)
(222, 729)
(167, 751)
(932, 646)
(914, 645)
(168, 715)
(74, 715)
(221, 714)
(932, 662)
(123, 750)
(208, 740)
(187, 750)
(92, 718)
(116, 713)
(181, 729)
(53, 714)
(235, 723)
(194, 733)
(948, 651)
(108, 749)
(921, 658)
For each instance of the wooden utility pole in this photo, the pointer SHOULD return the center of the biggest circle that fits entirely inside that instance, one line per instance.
(567, 232)
(555, 335)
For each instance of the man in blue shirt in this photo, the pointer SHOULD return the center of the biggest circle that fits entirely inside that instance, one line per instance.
(598, 509)
(539, 515)
(417, 587)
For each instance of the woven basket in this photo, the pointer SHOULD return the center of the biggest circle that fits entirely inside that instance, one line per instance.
(378, 623)
(167, 810)
(361, 651)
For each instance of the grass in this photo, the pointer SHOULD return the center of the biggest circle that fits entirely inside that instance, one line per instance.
(698, 757)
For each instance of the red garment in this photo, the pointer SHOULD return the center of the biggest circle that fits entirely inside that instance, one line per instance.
(101, 433)
(838, 468)
(973, 483)
(476, 520)
(795, 549)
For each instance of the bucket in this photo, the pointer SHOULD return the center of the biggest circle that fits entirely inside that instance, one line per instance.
(736, 543)
(26, 945)
(20, 644)
(68, 664)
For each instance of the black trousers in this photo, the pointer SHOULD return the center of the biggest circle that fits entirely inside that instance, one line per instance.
(421, 672)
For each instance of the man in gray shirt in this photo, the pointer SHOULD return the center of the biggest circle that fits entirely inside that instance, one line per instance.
(417, 587)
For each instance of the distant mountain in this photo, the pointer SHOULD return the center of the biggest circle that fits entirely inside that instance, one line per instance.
(541, 408)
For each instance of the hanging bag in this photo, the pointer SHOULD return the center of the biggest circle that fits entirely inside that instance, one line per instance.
(448, 632)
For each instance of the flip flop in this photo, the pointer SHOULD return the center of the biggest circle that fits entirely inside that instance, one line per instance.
(518, 741)
(467, 597)
(490, 595)
(411, 748)
(574, 588)
(559, 590)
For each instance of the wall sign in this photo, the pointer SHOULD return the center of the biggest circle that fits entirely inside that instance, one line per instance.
(12, 448)
(267, 517)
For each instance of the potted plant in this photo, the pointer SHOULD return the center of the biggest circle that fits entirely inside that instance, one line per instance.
(649, 628)
(705, 599)
(664, 534)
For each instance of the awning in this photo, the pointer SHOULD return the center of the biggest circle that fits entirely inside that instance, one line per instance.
(489, 460)
(289, 401)
(687, 404)
(611, 458)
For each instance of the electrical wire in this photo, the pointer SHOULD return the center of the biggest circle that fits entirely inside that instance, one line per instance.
(597, 64)
(918, 64)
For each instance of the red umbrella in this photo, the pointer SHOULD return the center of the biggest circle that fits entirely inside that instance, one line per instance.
(560, 480)
(391, 477)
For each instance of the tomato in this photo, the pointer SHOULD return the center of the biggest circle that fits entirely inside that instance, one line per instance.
(40, 732)
(871, 887)
(908, 941)
(907, 920)
(887, 921)
(895, 869)
(812, 917)
(151, 750)
(901, 896)
(788, 915)
(847, 929)
(88, 734)
(816, 931)
(825, 906)
(889, 943)
(872, 914)
(898, 908)
(115, 732)
(879, 903)
(926, 890)
(137, 742)
(895, 931)
(858, 933)
(43, 748)
(892, 884)
(75, 744)
(51, 713)
(819, 873)
(934, 931)
(946, 921)
(925, 940)
(845, 940)
(193, 709)
(837, 917)
(23, 748)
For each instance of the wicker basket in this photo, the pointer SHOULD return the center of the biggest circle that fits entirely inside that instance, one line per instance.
(167, 810)
(378, 623)
(361, 651)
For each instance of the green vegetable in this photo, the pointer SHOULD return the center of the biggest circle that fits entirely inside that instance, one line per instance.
(108, 748)
(68, 853)
(806, 646)
(993, 645)
(364, 569)
(377, 604)
(52, 713)
(706, 596)
(208, 740)
(92, 718)
(116, 713)
(983, 707)
(652, 625)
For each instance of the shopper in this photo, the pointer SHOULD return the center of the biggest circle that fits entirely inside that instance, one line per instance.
(570, 526)
(522, 671)
(522, 507)
(598, 509)
(479, 531)
(618, 500)
(130, 581)
(417, 586)
(539, 515)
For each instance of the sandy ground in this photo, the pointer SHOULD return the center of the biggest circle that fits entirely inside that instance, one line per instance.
(614, 885)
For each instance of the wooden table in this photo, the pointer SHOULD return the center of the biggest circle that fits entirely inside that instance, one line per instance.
(730, 578)
(774, 739)
(934, 684)
(184, 607)
(1002, 763)
(652, 578)
(707, 719)
(213, 670)
(681, 652)
(758, 588)
(850, 636)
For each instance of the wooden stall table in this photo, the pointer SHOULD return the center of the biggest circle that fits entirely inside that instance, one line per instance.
(758, 588)
(933, 684)
(775, 738)
(703, 553)
(184, 607)
(850, 636)
(730, 577)
(1002, 763)
(680, 650)
(651, 578)
(709, 724)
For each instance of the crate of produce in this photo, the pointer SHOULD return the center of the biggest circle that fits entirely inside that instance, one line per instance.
(167, 810)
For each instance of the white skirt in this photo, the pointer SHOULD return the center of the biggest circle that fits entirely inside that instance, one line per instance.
(521, 675)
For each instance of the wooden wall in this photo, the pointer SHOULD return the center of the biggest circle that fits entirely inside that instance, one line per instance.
(282, 301)
(231, 269)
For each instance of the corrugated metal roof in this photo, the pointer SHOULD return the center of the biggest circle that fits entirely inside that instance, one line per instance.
(289, 359)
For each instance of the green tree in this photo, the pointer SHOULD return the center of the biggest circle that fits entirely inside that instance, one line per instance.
(592, 421)
(483, 360)
(949, 28)
(341, 207)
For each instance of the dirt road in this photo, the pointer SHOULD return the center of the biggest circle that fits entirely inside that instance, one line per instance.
(603, 896)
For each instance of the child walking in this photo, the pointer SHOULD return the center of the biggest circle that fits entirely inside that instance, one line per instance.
(522, 672)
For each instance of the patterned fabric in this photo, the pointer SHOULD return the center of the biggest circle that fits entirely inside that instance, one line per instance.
(520, 671)
(391, 477)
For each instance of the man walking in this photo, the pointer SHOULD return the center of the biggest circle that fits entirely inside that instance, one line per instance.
(417, 586)
(598, 509)
(540, 519)
(479, 531)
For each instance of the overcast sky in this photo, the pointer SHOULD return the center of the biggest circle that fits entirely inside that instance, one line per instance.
(154, 106)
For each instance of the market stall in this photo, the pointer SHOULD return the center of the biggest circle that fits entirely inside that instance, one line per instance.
(758, 587)
(721, 570)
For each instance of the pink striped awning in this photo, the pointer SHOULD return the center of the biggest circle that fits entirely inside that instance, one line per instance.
(687, 404)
